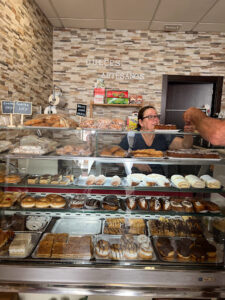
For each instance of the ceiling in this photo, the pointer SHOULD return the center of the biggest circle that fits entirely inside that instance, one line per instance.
(160, 15)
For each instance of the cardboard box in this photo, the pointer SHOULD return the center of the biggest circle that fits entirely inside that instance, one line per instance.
(99, 95)
(116, 94)
(135, 99)
(117, 100)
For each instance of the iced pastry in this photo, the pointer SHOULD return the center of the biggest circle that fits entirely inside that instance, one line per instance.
(211, 182)
(195, 182)
(180, 182)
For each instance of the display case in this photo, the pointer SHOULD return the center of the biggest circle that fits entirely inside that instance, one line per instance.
(79, 215)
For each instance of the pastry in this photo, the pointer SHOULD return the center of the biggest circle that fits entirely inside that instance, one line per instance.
(116, 252)
(131, 203)
(45, 179)
(90, 180)
(211, 182)
(195, 182)
(126, 239)
(102, 248)
(78, 201)
(100, 180)
(180, 182)
(165, 127)
(193, 153)
(135, 179)
(154, 204)
(130, 251)
(57, 202)
(199, 206)
(147, 153)
(110, 202)
(92, 204)
(176, 205)
(44, 249)
(42, 202)
(18, 248)
(115, 181)
(145, 251)
(12, 178)
(35, 223)
(212, 207)
(143, 239)
(56, 179)
(32, 179)
(184, 248)
(142, 203)
(28, 202)
(165, 248)
(166, 205)
(188, 206)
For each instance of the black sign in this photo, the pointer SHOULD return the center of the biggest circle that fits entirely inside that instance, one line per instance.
(23, 108)
(81, 110)
(7, 107)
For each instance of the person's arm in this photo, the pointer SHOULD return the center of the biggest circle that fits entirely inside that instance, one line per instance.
(183, 143)
(212, 130)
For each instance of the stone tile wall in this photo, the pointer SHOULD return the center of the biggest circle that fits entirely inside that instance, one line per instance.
(25, 52)
(130, 60)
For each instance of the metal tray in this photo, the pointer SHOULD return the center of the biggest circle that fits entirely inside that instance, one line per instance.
(84, 257)
(124, 228)
(176, 259)
(77, 226)
(34, 240)
(115, 239)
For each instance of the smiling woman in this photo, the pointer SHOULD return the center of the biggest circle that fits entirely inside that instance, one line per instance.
(147, 120)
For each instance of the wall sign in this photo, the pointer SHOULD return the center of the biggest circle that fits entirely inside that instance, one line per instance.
(7, 107)
(23, 108)
(81, 110)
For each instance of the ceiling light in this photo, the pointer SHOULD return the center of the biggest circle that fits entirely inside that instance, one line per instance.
(172, 27)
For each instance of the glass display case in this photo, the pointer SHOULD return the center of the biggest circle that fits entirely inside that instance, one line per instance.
(79, 211)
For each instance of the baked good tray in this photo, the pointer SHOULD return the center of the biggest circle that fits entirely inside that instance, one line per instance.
(125, 227)
(19, 222)
(35, 236)
(64, 251)
(125, 255)
(199, 255)
(77, 226)
(81, 180)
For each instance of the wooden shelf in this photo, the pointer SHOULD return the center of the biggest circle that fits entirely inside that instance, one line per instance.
(92, 104)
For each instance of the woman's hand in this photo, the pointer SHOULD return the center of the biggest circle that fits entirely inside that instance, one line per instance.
(189, 128)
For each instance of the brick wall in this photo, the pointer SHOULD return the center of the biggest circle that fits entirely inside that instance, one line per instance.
(81, 56)
(25, 52)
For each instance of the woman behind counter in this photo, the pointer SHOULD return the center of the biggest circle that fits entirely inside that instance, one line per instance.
(147, 119)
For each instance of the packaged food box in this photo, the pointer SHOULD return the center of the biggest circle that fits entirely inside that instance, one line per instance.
(99, 95)
(135, 99)
(117, 100)
(132, 121)
(116, 94)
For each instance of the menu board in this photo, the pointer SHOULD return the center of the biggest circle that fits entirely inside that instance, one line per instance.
(7, 107)
(23, 108)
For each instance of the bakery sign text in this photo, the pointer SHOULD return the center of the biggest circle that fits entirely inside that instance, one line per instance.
(125, 75)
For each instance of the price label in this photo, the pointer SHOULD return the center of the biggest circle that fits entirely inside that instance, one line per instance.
(81, 110)
(23, 108)
(7, 107)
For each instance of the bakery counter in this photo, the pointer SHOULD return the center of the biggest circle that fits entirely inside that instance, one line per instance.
(120, 280)
(118, 160)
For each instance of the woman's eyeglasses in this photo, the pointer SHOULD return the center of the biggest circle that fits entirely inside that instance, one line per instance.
(151, 117)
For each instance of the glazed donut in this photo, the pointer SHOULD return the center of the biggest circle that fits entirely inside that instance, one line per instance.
(57, 202)
(42, 202)
(28, 202)
(54, 196)
(6, 202)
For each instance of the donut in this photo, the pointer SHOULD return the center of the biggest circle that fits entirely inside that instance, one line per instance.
(145, 251)
(143, 239)
(116, 252)
(6, 202)
(42, 202)
(58, 202)
(54, 196)
(28, 202)
(102, 248)
(12, 178)
(130, 251)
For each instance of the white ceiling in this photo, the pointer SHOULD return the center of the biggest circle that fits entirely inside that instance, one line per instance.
(161, 15)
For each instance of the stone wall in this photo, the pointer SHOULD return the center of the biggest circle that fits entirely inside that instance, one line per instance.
(130, 60)
(25, 52)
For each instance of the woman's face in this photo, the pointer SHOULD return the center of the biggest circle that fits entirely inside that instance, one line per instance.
(149, 120)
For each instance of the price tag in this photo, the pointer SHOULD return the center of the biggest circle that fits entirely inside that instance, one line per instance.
(7, 107)
(81, 110)
(23, 108)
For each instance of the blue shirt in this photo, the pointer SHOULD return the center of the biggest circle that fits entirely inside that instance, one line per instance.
(161, 142)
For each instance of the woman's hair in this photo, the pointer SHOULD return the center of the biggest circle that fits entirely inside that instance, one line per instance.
(141, 114)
